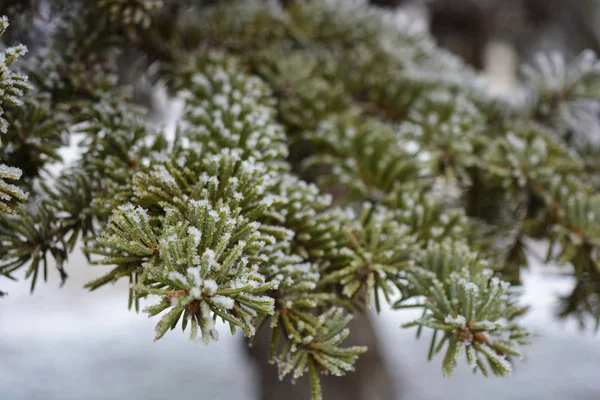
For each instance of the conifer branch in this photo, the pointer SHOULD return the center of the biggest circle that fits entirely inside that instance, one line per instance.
(329, 156)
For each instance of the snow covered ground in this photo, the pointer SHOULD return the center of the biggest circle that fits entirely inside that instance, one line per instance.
(69, 344)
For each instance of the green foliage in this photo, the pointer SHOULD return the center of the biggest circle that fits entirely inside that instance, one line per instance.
(328, 154)
(220, 234)
(564, 96)
(28, 240)
(428, 216)
(36, 133)
(464, 302)
(378, 249)
(447, 125)
(12, 87)
(201, 263)
(530, 157)
(318, 348)
(305, 85)
(577, 239)
(366, 158)
(10, 194)
(12, 84)
(135, 12)
(228, 109)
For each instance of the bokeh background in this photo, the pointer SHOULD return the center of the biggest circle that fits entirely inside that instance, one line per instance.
(66, 343)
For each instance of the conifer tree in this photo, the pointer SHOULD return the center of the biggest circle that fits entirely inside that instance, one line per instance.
(329, 158)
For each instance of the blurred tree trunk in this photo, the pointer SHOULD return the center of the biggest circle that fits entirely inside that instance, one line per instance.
(370, 381)
(465, 27)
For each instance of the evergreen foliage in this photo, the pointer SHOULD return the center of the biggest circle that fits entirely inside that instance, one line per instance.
(329, 157)
(13, 85)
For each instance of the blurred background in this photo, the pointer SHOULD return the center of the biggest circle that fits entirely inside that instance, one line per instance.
(471, 27)
(66, 343)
